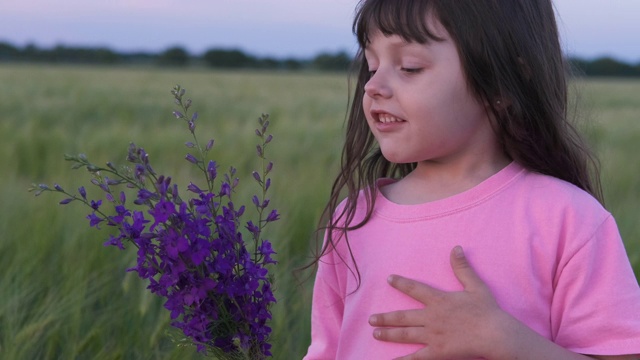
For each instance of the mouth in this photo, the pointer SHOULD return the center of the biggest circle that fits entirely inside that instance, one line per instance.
(386, 118)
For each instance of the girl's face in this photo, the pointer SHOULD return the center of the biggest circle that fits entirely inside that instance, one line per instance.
(418, 105)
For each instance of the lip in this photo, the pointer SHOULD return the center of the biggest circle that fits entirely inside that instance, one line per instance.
(392, 122)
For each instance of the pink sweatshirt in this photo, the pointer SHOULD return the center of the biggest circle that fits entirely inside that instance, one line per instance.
(549, 252)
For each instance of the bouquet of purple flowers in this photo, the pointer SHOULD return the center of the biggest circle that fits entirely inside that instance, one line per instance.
(192, 251)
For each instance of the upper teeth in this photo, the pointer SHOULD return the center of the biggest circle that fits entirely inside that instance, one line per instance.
(386, 118)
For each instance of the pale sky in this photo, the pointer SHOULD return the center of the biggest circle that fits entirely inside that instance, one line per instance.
(279, 28)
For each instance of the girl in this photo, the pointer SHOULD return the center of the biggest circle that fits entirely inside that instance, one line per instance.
(458, 138)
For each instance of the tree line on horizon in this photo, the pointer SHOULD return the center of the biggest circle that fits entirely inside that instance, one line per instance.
(229, 58)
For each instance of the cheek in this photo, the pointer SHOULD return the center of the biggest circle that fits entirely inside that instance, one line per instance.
(366, 105)
(366, 102)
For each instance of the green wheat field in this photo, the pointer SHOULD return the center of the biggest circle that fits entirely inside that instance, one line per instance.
(65, 296)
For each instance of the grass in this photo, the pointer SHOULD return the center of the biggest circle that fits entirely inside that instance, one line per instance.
(64, 296)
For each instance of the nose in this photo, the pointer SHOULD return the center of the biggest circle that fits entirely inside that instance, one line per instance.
(377, 86)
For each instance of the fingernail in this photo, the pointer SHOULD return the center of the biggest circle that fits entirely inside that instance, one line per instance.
(373, 320)
(457, 252)
(390, 279)
(377, 333)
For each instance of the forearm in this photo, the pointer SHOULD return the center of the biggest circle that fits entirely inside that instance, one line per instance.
(522, 343)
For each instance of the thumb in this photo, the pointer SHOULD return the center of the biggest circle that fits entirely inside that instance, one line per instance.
(463, 270)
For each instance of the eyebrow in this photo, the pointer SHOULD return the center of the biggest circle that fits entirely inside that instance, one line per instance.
(400, 44)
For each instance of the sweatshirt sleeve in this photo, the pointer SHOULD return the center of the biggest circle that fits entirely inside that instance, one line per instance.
(596, 304)
(326, 309)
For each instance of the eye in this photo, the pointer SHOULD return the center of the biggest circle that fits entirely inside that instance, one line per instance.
(411, 70)
(371, 73)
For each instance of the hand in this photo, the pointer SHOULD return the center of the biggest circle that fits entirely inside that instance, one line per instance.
(453, 325)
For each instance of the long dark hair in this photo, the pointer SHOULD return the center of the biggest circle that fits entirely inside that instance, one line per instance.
(511, 56)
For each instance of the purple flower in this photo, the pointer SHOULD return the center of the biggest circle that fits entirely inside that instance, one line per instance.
(266, 250)
(161, 212)
(192, 252)
(121, 214)
(94, 220)
(115, 241)
(144, 196)
(95, 205)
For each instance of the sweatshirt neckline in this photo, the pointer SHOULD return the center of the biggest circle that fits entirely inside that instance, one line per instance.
(443, 207)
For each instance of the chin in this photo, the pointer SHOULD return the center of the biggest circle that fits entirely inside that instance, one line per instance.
(396, 158)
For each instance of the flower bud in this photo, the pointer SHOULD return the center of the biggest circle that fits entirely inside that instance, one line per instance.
(82, 192)
(178, 115)
(194, 188)
(111, 181)
(192, 159)
(209, 145)
(225, 189)
(273, 216)
(212, 169)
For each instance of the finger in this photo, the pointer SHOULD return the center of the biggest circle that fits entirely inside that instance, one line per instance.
(403, 335)
(415, 289)
(397, 318)
(463, 270)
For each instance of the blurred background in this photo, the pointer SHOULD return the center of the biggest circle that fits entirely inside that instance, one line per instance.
(90, 77)
(269, 34)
